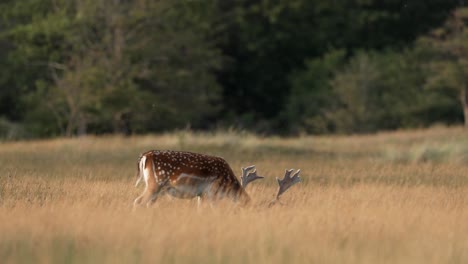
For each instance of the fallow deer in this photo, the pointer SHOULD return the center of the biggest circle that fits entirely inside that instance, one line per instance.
(189, 175)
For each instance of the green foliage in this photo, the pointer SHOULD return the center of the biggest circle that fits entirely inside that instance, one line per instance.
(11, 131)
(71, 67)
(449, 67)
(115, 66)
(312, 96)
(270, 40)
(386, 91)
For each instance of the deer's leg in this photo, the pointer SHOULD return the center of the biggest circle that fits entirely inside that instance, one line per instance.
(153, 196)
(199, 203)
(140, 199)
(157, 190)
(149, 196)
(137, 201)
(203, 200)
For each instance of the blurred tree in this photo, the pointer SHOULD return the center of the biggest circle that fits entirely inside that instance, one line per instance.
(12, 84)
(103, 66)
(357, 88)
(269, 40)
(449, 67)
(114, 65)
(386, 91)
(312, 96)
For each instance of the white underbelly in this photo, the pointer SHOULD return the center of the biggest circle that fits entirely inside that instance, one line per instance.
(190, 186)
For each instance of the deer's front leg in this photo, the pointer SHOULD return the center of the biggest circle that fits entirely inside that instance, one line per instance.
(202, 201)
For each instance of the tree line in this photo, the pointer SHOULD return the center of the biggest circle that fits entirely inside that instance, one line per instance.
(73, 67)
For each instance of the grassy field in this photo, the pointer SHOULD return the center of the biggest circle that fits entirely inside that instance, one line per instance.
(397, 197)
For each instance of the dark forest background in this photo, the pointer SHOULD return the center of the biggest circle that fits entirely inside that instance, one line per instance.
(74, 67)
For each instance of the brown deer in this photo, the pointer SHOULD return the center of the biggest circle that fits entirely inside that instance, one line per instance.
(189, 175)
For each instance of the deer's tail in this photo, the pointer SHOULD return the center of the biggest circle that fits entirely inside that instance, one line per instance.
(140, 169)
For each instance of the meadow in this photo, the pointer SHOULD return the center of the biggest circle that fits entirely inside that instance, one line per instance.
(396, 197)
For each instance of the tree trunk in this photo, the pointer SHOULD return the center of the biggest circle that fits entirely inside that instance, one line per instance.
(465, 114)
(70, 125)
(82, 126)
(464, 99)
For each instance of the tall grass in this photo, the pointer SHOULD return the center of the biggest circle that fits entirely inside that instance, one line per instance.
(363, 199)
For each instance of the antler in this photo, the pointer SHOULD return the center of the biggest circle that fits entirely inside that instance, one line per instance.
(249, 174)
(286, 183)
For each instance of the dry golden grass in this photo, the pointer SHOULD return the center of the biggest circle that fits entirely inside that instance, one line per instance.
(388, 198)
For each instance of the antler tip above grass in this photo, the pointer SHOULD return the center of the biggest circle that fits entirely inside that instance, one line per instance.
(287, 181)
(249, 174)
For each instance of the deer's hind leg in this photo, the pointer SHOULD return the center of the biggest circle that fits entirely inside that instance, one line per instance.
(137, 201)
(143, 198)
(153, 185)
(149, 196)
(153, 196)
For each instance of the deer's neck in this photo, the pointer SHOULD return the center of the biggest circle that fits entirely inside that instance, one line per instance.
(242, 197)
